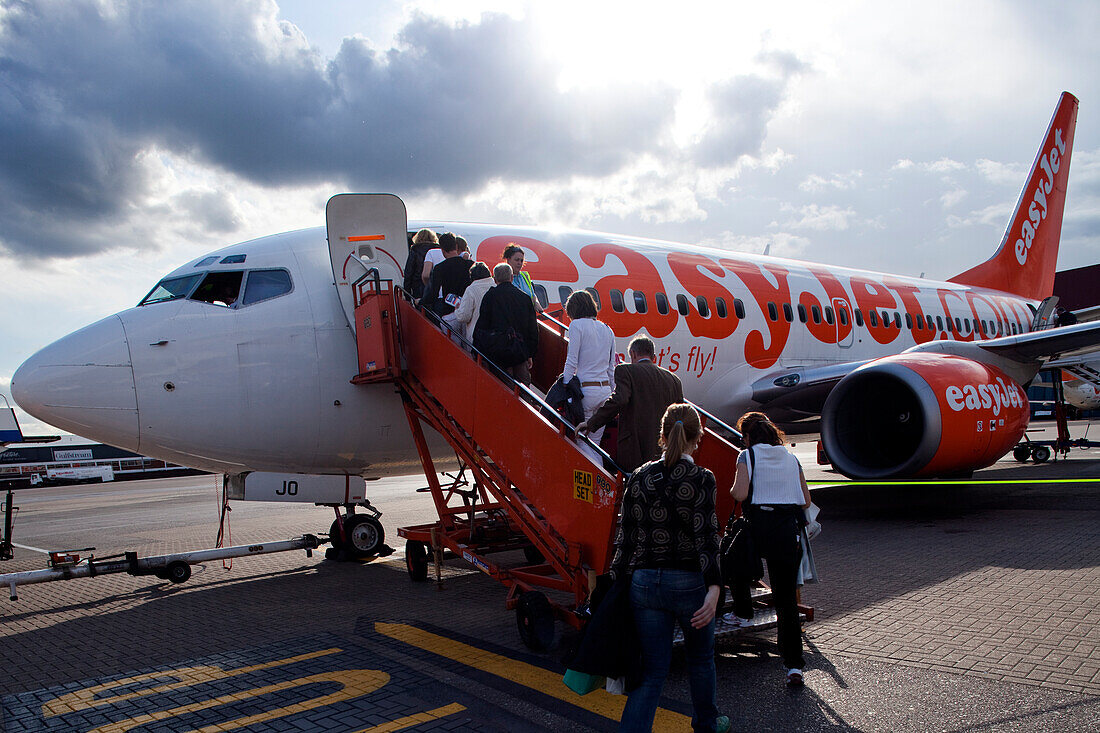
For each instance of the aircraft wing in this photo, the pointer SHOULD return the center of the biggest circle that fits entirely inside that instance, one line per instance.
(10, 431)
(9, 426)
(1063, 345)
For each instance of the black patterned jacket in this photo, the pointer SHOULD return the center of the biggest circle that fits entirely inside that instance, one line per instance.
(669, 521)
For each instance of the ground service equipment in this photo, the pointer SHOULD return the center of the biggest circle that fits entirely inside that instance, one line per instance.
(67, 564)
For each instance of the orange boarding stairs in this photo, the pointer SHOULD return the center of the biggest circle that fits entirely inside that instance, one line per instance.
(537, 485)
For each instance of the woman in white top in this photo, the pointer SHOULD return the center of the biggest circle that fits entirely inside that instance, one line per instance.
(433, 257)
(591, 354)
(775, 512)
(465, 315)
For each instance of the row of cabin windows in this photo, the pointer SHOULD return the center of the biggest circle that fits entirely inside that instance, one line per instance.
(989, 328)
(817, 314)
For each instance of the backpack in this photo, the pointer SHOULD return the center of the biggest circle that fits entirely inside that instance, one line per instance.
(414, 267)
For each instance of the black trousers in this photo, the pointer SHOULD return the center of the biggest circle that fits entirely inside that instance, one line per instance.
(776, 534)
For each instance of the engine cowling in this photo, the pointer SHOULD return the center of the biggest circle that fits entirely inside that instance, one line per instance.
(914, 415)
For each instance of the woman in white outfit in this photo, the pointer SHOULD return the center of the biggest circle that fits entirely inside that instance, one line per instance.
(465, 315)
(775, 512)
(591, 354)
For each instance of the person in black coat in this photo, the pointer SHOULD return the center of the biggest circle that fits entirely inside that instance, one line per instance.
(507, 331)
(448, 281)
(422, 242)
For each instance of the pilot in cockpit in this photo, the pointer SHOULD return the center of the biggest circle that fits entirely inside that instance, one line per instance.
(219, 288)
(226, 295)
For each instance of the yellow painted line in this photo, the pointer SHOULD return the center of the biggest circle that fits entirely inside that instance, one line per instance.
(549, 683)
(354, 683)
(187, 676)
(424, 717)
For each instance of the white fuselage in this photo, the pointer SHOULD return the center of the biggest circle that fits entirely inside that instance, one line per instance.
(266, 386)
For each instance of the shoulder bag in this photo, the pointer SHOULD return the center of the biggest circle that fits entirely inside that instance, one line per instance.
(737, 551)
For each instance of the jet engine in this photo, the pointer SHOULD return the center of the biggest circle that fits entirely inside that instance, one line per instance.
(915, 415)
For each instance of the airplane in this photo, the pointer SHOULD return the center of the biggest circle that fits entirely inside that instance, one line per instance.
(1082, 394)
(240, 361)
(1080, 383)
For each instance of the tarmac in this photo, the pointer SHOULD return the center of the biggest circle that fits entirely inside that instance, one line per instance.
(948, 607)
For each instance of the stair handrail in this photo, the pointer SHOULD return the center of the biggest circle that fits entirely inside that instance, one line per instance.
(739, 439)
(370, 273)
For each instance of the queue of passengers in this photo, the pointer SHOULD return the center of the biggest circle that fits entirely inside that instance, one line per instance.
(666, 544)
(666, 571)
(497, 315)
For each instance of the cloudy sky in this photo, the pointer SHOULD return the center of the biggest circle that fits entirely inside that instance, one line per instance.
(894, 136)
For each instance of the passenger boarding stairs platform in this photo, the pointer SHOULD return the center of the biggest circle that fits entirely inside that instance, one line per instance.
(537, 485)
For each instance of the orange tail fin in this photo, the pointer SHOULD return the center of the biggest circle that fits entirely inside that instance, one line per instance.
(1024, 263)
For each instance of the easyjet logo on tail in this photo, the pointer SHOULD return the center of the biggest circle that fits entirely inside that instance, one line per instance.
(983, 396)
(1050, 162)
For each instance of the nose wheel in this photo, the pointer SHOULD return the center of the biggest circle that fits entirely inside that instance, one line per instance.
(363, 536)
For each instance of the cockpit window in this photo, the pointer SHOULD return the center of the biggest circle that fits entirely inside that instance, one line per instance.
(232, 260)
(219, 288)
(206, 261)
(171, 289)
(265, 284)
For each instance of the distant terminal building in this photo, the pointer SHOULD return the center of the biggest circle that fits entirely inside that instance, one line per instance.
(77, 460)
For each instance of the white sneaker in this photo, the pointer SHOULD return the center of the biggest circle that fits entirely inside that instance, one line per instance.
(794, 678)
(732, 619)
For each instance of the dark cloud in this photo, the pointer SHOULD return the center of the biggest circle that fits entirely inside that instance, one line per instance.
(741, 109)
(86, 87)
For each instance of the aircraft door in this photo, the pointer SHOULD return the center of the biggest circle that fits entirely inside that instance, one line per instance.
(359, 223)
(845, 326)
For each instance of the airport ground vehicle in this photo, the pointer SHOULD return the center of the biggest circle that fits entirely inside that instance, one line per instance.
(1041, 451)
(73, 475)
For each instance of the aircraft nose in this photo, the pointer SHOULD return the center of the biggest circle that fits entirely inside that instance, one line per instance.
(83, 383)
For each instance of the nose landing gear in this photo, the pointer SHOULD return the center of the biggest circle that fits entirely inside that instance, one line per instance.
(356, 536)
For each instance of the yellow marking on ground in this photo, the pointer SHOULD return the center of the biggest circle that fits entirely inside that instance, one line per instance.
(424, 717)
(600, 702)
(187, 676)
(355, 682)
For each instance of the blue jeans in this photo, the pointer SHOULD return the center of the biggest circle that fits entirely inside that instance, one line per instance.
(661, 598)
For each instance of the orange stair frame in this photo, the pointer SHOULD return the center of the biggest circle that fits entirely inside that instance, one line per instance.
(534, 487)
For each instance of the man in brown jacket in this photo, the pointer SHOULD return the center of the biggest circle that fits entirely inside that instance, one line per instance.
(643, 391)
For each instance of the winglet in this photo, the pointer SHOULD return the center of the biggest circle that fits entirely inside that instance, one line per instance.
(1024, 264)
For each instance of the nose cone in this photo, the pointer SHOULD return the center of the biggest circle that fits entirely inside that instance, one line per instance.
(83, 383)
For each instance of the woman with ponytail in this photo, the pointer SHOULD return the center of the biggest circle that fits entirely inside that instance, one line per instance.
(667, 544)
